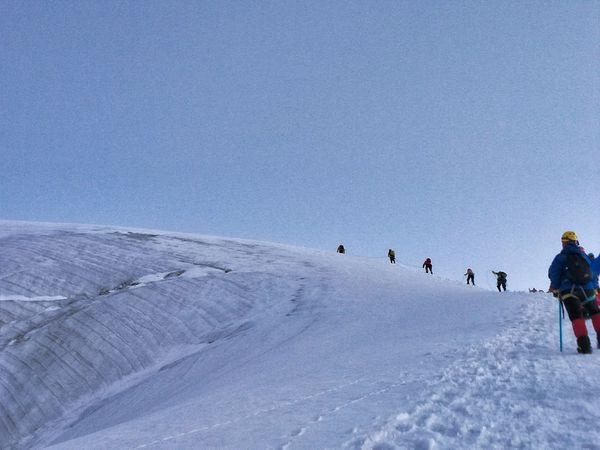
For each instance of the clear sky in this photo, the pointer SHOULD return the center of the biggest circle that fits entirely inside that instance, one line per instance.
(468, 132)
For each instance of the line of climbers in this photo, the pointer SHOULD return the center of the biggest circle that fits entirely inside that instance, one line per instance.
(574, 280)
(428, 266)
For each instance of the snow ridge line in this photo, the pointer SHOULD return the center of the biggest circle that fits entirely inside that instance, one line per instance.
(66, 256)
(67, 358)
(469, 406)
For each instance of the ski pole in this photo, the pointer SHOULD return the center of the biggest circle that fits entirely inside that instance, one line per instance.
(560, 312)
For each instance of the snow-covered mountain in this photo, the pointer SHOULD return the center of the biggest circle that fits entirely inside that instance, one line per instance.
(117, 338)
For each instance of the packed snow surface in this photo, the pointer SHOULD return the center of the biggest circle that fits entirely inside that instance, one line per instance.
(117, 338)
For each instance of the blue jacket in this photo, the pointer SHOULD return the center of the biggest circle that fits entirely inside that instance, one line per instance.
(595, 264)
(558, 270)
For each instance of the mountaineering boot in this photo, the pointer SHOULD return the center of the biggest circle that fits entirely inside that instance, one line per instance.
(584, 345)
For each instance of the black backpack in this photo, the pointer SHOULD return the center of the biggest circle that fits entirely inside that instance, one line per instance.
(578, 269)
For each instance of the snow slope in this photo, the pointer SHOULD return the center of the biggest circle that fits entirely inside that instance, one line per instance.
(116, 338)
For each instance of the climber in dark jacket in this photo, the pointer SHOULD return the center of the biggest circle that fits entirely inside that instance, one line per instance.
(428, 266)
(500, 280)
(392, 256)
(470, 276)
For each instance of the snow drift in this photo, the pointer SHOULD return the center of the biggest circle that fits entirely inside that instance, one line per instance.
(115, 338)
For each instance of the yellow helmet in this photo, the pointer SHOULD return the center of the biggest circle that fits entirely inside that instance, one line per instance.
(569, 236)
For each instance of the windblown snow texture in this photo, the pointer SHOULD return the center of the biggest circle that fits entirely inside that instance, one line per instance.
(114, 338)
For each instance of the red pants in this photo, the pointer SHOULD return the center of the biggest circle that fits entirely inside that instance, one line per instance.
(576, 304)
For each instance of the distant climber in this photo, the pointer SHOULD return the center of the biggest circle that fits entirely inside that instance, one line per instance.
(341, 249)
(392, 256)
(470, 276)
(428, 266)
(500, 280)
(573, 281)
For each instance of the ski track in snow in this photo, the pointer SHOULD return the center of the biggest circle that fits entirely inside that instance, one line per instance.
(327, 415)
(505, 393)
(289, 440)
(259, 412)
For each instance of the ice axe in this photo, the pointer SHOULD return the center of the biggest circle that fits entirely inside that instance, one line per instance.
(561, 313)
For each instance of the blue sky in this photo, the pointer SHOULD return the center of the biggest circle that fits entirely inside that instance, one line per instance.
(468, 132)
